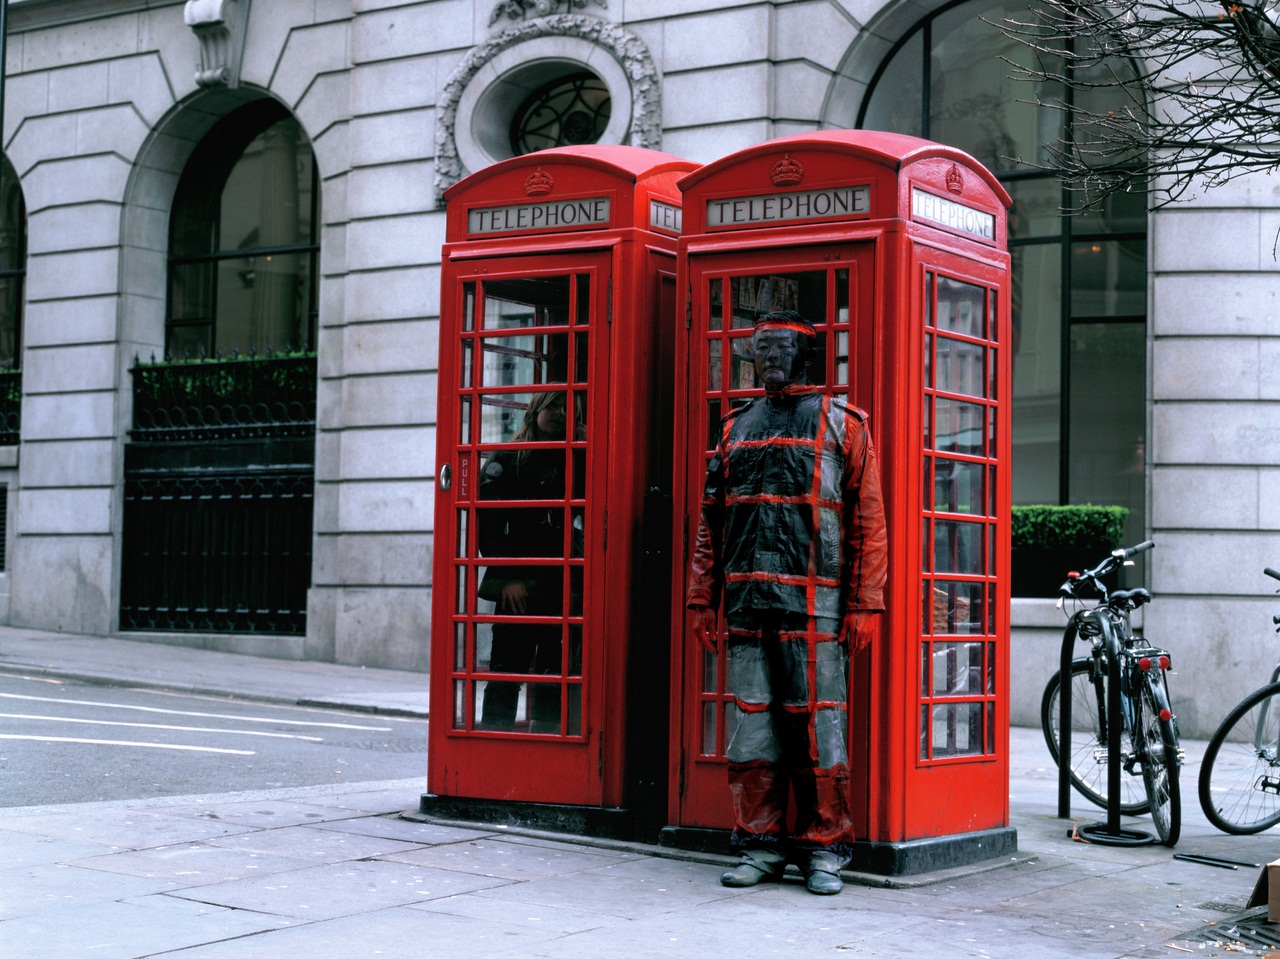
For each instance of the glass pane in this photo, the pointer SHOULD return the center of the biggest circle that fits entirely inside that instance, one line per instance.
(584, 299)
(460, 646)
(924, 731)
(463, 545)
(527, 417)
(1120, 213)
(957, 730)
(573, 721)
(461, 606)
(575, 650)
(894, 104)
(1108, 422)
(713, 423)
(961, 427)
(961, 307)
(468, 307)
(191, 293)
(957, 487)
(926, 601)
(709, 675)
(709, 728)
(468, 361)
(259, 306)
(581, 357)
(926, 488)
(1109, 278)
(715, 318)
(1037, 207)
(525, 360)
(957, 608)
(526, 302)
(464, 421)
(991, 669)
(459, 704)
(957, 669)
(957, 547)
(960, 367)
(258, 206)
(974, 103)
(742, 364)
(753, 296)
(1037, 373)
(714, 365)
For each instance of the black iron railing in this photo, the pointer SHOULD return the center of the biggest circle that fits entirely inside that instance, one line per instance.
(244, 397)
(217, 551)
(10, 406)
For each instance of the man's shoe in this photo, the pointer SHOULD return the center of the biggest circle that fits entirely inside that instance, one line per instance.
(755, 868)
(822, 877)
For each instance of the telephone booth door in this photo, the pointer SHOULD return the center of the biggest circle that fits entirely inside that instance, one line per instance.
(548, 646)
(522, 575)
(832, 285)
(894, 247)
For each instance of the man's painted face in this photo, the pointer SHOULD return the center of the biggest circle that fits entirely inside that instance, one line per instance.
(781, 357)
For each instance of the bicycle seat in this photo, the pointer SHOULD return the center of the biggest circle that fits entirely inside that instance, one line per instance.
(1135, 596)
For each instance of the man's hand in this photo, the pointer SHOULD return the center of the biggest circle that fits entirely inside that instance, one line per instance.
(859, 628)
(704, 627)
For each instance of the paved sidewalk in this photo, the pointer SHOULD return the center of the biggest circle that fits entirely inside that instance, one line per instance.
(347, 872)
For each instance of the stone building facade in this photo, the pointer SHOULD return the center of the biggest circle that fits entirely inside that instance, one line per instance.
(114, 108)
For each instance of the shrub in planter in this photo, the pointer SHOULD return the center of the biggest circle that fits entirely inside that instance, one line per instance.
(1050, 541)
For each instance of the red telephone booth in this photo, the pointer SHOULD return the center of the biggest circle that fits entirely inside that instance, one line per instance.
(895, 248)
(556, 343)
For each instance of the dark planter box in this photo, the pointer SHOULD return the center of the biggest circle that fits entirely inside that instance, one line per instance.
(1038, 571)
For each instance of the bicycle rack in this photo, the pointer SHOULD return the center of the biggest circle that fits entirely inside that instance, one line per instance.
(1109, 833)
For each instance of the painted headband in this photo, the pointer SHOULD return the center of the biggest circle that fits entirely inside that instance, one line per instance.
(764, 323)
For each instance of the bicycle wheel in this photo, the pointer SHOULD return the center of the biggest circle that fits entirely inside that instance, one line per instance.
(1089, 741)
(1240, 775)
(1157, 743)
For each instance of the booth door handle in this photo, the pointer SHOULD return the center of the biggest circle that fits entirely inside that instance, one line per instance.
(446, 476)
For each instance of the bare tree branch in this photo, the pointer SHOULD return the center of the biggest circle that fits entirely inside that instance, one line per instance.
(1171, 97)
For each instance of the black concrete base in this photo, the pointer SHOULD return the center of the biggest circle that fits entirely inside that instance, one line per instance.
(597, 821)
(879, 858)
(934, 854)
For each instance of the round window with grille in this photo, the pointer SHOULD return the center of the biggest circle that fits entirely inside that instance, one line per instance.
(567, 111)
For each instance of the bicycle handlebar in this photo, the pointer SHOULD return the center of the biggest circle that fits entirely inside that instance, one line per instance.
(1077, 583)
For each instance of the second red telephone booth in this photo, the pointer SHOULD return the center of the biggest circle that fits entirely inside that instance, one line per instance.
(895, 248)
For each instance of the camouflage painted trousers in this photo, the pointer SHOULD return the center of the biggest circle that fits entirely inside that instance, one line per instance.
(789, 677)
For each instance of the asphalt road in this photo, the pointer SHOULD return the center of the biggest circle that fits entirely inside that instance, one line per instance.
(67, 742)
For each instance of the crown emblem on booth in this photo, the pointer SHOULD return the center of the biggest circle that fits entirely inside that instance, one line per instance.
(955, 182)
(539, 183)
(786, 172)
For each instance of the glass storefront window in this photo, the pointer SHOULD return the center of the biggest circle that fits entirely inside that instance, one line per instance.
(949, 80)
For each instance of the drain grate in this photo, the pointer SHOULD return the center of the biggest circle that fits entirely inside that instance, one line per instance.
(1248, 929)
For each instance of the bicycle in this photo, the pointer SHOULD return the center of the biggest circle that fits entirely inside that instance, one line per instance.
(1150, 752)
(1240, 773)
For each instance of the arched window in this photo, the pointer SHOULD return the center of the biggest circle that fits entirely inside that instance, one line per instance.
(1079, 282)
(13, 265)
(13, 276)
(244, 238)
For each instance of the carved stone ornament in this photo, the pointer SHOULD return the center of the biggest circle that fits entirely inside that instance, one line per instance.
(220, 27)
(520, 9)
(955, 179)
(627, 49)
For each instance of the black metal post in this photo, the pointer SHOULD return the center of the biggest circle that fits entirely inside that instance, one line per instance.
(1064, 720)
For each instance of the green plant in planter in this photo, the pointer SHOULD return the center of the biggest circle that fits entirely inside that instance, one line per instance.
(1049, 541)
(1064, 527)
